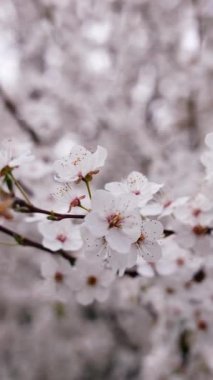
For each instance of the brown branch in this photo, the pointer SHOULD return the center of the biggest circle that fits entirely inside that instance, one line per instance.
(25, 242)
(19, 205)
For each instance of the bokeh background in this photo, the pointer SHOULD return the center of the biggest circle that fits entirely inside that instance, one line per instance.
(134, 76)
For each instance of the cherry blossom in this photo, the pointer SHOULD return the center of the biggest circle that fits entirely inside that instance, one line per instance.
(195, 237)
(196, 211)
(115, 218)
(91, 281)
(147, 244)
(162, 205)
(98, 248)
(60, 235)
(80, 164)
(173, 259)
(136, 184)
(56, 276)
(68, 198)
(14, 154)
(116, 229)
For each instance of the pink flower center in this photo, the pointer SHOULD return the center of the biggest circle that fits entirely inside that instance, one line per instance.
(61, 237)
(137, 192)
(167, 204)
(196, 212)
(76, 161)
(180, 262)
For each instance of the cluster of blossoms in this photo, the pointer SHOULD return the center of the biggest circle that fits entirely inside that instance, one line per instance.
(132, 227)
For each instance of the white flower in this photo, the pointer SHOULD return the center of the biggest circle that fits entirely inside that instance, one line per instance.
(13, 154)
(56, 273)
(144, 268)
(60, 235)
(147, 246)
(163, 205)
(173, 259)
(91, 281)
(115, 218)
(136, 184)
(79, 164)
(195, 237)
(197, 211)
(68, 198)
(98, 248)
(171, 205)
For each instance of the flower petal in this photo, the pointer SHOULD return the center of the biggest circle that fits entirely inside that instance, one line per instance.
(85, 296)
(150, 251)
(152, 229)
(99, 157)
(131, 226)
(101, 294)
(116, 188)
(54, 245)
(102, 202)
(95, 224)
(118, 241)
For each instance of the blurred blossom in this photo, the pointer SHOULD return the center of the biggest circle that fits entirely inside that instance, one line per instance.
(9, 61)
(189, 44)
(97, 31)
(136, 78)
(98, 61)
(144, 88)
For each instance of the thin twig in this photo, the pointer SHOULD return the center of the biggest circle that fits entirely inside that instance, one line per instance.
(25, 242)
(20, 205)
(19, 186)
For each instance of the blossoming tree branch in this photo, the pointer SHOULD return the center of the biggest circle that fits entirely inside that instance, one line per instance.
(91, 237)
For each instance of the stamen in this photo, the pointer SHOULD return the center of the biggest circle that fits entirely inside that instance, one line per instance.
(114, 220)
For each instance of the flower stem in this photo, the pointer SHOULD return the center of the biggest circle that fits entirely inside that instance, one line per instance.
(88, 188)
(84, 208)
(20, 205)
(25, 242)
(18, 185)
